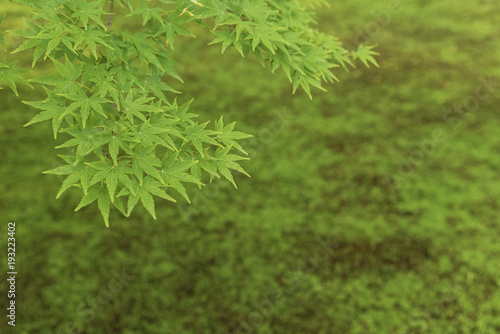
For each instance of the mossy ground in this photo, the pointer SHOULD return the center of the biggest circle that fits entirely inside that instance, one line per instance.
(417, 256)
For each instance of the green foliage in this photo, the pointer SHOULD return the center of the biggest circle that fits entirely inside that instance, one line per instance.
(8, 71)
(109, 96)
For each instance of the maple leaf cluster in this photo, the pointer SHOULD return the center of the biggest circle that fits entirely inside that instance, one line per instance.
(126, 141)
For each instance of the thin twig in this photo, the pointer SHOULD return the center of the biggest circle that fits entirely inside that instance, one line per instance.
(110, 21)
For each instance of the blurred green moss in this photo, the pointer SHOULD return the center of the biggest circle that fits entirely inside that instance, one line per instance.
(420, 258)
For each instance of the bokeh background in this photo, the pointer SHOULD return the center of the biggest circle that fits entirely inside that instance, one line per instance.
(344, 226)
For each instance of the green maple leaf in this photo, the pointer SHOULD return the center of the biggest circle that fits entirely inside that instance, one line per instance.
(30, 42)
(49, 8)
(131, 107)
(169, 125)
(86, 104)
(268, 36)
(145, 191)
(11, 74)
(180, 112)
(118, 140)
(255, 10)
(85, 139)
(150, 135)
(99, 193)
(197, 134)
(148, 13)
(228, 136)
(226, 37)
(145, 48)
(95, 72)
(224, 162)
(89, 10)
(107, 86)
(174, 25)
(50, 109)
(244, 26)
(366, 55)
(145, 161)
(66, 80)
(112, 174)
(156, 86)
(216, 9)
(92, 37)
(169, 65)
(174, 172)
(77, 173)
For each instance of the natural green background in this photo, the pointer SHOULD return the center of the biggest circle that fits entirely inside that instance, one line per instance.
(422, 257)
